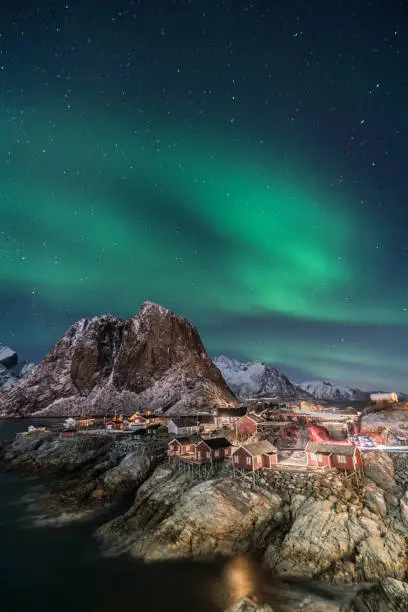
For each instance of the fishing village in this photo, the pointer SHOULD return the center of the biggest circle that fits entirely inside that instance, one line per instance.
(264, 434)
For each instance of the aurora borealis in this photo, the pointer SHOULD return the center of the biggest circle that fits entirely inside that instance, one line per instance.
(241, 163)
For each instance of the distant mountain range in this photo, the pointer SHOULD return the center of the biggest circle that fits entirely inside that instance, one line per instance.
(325, 390)
(250, 379)
(256, 379)
(11, 369)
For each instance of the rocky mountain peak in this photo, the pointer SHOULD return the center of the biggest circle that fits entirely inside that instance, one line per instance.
(155, 360)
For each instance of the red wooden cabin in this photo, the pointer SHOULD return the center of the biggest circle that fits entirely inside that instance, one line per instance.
(346, 457)
(183, 446)
(67, 434)
(213, 449)
(248, 424)
(137, 419)
(255, 456)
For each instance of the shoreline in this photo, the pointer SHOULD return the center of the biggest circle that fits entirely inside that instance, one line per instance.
(314, 526)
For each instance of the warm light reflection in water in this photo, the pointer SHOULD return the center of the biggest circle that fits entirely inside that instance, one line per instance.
(240, 579)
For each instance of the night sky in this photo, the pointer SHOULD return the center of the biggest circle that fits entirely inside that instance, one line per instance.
(242, 163)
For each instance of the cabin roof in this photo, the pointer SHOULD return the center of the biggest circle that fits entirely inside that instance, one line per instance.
(186, 421)
(324, 448)
(260, 448)
(205, 418)
(194, 439)
(231, 412)
(217, 443)
(254, 417)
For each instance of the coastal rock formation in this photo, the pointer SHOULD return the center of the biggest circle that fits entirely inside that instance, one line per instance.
(317, 526)
(214, 517)
(379, 468)
(155, 360)
(357, 548)
(389, 595)
(43, 454)
(257, 379)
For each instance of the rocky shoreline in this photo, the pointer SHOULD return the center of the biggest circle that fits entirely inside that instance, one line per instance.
(321, 526)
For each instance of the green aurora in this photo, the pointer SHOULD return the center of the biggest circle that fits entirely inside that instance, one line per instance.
(105, 215)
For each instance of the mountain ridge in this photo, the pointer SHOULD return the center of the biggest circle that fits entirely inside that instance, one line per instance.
(154, 360)
(326, 390)
(249, 379)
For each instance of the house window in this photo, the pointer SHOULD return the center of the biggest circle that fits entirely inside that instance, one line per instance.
(217, 453)
(199, 454)
(319, 458)
(341, 459)
(313, 456)
(208, 455)
(236, 459)
(248, 460)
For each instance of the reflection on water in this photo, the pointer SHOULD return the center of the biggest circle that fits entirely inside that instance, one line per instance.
(239, 579)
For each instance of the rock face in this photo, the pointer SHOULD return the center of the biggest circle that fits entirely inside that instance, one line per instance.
(323, 541)
(325, 390)
(155, 360)
(257, 379)
(10, 368)
(379, 468)
(389, 595)
(214, 517)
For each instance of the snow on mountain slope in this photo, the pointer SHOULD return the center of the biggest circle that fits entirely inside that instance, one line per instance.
(155, 360)
(5, 377)
(257, 379)
(8, 357)
(10, 368)
(325, 390)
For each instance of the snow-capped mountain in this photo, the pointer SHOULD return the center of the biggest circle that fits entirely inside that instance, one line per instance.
(155, 360)
(10, 368)
(325, 390)
(257, 379)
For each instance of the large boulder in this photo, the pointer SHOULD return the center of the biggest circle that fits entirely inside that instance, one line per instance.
(214, 517)
(374, 499)
(379, 467)
(321, 539)
(128, 474)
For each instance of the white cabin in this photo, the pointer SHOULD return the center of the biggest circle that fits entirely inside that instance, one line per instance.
(379, 398)
(69, 423)
(182, 425)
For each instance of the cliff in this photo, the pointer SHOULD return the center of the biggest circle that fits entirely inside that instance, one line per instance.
(155, 360)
